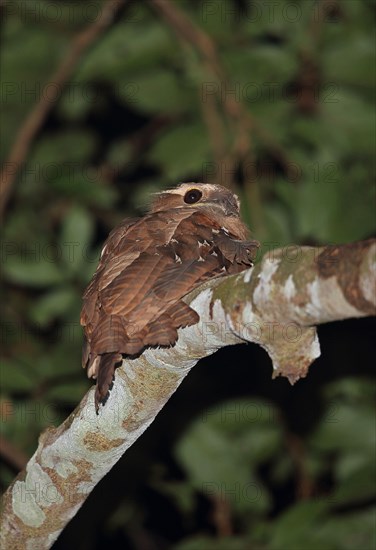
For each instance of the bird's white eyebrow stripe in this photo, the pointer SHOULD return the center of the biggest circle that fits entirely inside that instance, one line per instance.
(181, 190)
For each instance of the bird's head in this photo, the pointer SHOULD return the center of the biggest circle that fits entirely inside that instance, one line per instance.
(197, 196)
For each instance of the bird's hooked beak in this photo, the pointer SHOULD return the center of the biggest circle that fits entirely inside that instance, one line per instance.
(229, 204)
(232, 206)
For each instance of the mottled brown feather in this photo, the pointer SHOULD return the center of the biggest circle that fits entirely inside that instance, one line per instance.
(147, 266)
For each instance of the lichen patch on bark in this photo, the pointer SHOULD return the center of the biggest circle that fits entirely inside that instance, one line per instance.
(344, 262)
(98, 442)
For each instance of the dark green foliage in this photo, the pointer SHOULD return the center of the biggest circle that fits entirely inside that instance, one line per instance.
(241, 469)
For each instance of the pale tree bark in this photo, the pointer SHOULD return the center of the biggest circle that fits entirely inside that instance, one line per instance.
(276, 304)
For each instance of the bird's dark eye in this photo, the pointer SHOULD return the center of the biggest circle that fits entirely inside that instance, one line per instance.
(192, 196)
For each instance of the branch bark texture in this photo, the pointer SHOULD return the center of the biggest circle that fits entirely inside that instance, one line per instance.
(276, 304)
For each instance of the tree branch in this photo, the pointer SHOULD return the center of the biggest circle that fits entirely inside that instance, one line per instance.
(244, 125)
(37, 116)
(276, 304)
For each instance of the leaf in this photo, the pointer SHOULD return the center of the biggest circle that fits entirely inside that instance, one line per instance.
(346, 531)
(89, 266)
(52, 305)
(327, 189)
(271, 67)
(76, 234)
(68, 393)
(88, 188)
(233, 431)
(182, 151)
(120, 154)
(63, 151)
(359, 53)
(347, 121)
(24, 74)
(41, 271)
(351, 390)
(292, 530)
(15, 377)
(127, 48)
(198, 451)
(278, 225)
(182, 493)
(64, 355)
(359, 486)
(343, 531)
(157, 91)
(77, 100)
(201, 542)
(341, 418)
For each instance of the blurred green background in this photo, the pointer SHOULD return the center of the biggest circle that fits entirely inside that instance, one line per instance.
(273, 99)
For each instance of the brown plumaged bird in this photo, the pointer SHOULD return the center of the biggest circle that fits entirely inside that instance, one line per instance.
(192, 233)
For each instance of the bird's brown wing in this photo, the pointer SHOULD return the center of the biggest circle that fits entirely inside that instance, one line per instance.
(163, 273)
(122, 248)
(134, 300)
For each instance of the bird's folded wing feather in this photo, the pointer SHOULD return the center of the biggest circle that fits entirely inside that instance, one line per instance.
(122, 248)
(152, 263)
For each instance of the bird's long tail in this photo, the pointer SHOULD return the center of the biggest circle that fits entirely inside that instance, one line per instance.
(105, 379)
